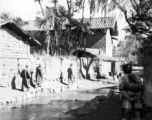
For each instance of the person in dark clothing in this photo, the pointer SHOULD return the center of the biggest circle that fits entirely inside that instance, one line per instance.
(61, 77)
(98, 69)
(31, 80)
(70, 73)
(113, 69)
(25, 74)
(39, 75)
(131, 90)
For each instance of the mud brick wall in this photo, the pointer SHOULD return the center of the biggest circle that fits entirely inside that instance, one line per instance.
(53, 66)
(12, 50)
(15, 55)
(12, 45)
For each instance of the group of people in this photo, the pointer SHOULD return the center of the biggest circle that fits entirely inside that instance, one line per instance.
(132, 90)
(28, 78)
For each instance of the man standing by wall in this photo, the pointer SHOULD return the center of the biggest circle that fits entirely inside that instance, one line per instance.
(39, 75)
(70, 74)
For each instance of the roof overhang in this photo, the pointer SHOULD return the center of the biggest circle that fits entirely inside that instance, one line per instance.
(95, 54)
(26, 37)
(115, 37)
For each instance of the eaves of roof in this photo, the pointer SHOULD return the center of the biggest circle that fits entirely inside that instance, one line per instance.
(101, 22)
(94, 54)
(12, 26)
(95, 23)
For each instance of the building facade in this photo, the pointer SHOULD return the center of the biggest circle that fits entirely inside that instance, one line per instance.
(15, 47)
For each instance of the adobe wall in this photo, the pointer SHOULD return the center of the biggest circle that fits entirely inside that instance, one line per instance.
(12, 50)
(15, 55)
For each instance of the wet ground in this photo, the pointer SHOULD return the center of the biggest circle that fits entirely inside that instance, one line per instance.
(52, 107)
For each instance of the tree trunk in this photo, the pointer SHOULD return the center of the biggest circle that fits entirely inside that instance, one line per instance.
(83, 11)
(147, 64)
(88, 67)
(48, 47)
(147, 80)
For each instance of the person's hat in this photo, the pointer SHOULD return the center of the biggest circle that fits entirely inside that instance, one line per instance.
(127, 68)
(27, 66)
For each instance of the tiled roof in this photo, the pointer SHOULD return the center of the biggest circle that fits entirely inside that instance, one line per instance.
(95, 23)
(101, 22)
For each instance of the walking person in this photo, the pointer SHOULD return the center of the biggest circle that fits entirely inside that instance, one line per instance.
(39, 75)
(25, 74)
(131, 88)
(70, 74)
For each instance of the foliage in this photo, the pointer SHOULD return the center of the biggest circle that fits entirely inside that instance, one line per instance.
(62, 30)
(52, 23)
(78, 34)
(138, 15)
(6, 17)
(127, 48)
(140, 23)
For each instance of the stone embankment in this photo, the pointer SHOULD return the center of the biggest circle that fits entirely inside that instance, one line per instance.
(9, 96)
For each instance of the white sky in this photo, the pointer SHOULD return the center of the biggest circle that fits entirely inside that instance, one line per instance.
(28, 10)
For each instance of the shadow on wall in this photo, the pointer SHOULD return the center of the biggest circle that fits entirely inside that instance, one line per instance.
(13, 83)
(16, 83)
(86, 67)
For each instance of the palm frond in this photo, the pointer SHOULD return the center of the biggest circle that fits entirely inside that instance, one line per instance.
(92, 6)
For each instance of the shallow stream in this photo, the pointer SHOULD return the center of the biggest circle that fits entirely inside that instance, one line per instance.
(52, 107)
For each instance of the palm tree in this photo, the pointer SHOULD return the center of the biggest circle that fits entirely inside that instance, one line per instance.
(39, 1)
(52, 24)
